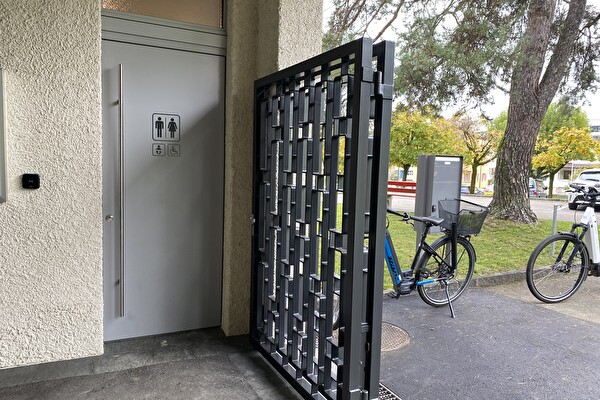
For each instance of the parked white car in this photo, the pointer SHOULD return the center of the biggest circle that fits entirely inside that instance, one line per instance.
(589, 177)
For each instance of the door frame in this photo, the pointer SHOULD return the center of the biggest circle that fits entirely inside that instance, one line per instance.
(158, 32)
(163, 34)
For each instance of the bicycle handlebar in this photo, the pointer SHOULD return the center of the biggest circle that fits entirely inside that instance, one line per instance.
(590, 193)
(581, 188)
(403, 215)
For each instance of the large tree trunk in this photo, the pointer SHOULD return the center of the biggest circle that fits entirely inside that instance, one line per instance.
(474, 167)
(530, 95)
(511, 180)
(405, 168)
(551, 185)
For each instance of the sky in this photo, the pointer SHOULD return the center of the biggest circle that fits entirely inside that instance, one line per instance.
(500, 99)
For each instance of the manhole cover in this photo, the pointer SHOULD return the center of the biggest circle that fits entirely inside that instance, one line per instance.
(393, 337)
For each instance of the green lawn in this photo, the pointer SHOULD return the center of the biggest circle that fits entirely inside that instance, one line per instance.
(501, 245)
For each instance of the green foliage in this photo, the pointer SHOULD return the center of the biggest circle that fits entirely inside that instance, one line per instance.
(562, 115)
(499, 123)
(456, 53)
(562, 146)
(564, 136)
(413, 134)
(479, 140)
(480, 143)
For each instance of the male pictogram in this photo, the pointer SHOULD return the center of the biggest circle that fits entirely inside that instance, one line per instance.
(159, 126)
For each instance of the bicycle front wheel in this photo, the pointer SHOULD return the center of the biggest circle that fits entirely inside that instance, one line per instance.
(438, 265)
(557, 268)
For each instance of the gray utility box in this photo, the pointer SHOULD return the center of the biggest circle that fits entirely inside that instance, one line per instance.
(438, 178)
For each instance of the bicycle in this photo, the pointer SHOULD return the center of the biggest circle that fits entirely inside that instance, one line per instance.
(440, 271)
(558, 266)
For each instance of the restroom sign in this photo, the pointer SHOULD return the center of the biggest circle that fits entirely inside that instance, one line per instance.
(166, 127)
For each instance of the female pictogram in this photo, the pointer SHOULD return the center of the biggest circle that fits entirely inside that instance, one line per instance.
(172, 127)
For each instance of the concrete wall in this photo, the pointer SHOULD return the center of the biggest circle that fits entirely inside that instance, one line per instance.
(262, 37)
(51, 238)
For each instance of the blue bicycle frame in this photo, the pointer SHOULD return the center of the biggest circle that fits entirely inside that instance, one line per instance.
(403, 280)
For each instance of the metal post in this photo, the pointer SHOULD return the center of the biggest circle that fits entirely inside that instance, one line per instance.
(554, 219)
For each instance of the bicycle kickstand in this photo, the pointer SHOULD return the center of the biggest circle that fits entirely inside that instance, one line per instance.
(448, 297)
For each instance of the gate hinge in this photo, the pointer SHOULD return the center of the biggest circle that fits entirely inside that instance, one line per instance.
(367, 72)
(381, 89)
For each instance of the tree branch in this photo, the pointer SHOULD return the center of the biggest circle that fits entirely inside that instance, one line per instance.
(559, 61)
(389, 23)
(592, 22)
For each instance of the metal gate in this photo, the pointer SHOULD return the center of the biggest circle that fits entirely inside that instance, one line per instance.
(322, 132)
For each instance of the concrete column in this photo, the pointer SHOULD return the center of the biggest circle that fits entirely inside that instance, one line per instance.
(263, 36)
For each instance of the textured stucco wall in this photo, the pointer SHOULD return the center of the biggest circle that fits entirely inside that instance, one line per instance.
(262, 37)
(300, 31)
(51, 238)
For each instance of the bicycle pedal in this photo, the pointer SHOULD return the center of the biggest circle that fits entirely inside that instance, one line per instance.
(594, 270)
(406, 286)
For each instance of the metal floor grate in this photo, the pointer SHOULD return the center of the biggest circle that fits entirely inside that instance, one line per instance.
(387, 394)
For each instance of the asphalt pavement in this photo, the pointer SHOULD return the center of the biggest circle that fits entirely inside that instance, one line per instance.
(503, 344)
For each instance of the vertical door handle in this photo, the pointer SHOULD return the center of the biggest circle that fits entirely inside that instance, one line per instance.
(121, 201)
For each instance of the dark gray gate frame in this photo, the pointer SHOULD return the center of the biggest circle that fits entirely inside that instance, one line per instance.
(296, 237)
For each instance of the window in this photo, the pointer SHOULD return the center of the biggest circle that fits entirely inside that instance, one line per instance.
(203, 12)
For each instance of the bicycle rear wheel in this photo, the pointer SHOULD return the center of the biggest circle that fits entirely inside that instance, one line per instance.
(438, 265)
(557, 268)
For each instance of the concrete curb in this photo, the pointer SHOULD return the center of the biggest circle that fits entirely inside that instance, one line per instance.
(500, 278)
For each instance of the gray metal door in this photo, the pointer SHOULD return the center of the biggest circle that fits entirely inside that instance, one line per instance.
(163, 189)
